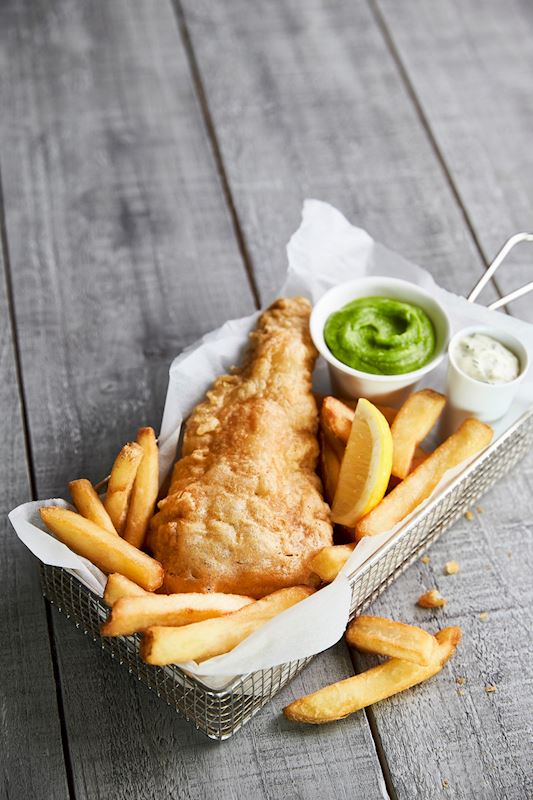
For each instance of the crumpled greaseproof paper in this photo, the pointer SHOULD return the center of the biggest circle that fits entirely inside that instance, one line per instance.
(324, 251)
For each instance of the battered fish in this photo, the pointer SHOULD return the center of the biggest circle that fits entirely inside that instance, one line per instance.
(244, 513)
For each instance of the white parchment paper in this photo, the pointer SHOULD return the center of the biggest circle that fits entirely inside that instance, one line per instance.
(324, 251)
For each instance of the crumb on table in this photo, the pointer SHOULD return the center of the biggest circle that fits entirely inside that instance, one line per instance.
(431, 599)
(451, 567)
(469, 515)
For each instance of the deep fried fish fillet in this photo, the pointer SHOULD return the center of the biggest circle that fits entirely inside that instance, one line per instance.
(244, 513)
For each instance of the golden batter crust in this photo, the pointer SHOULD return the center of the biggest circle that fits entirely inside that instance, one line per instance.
(244, 512)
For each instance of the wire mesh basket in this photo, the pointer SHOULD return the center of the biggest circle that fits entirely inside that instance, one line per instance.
(221, 713)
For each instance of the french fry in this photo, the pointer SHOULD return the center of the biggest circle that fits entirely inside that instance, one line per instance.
(330, 467)
(336, 424)
(212, 637)
(89, 505)
(121, 482)
(385, 637)
(411, 425)
(134, 614)
(336, 417)
(470, 438)
(329, 561)
(106, 550)
(343, 698)
(336, 421)
(118, 586)
(145, 490)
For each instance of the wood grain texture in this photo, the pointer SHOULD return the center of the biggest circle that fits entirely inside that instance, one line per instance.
(123, 253)
(145, 750)
(307, 102)
(32, 753)
(470, 65)
(318, 92)
(477, 741)
(109, 189)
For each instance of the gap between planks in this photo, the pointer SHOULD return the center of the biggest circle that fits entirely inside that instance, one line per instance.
(199, 89)
(4, 246)
(249, 268)
(247, 262)
(417, 104)
(374, 730)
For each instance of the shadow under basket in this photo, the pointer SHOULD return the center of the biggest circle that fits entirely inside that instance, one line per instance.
(221, 713)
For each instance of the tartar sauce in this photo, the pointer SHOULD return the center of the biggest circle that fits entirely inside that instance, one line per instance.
(483, 358)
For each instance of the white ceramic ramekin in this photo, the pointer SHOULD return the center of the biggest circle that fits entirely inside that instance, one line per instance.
(486, 401)
(353, 383)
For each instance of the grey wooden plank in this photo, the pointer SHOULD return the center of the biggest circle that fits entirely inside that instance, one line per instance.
(323, 112)
(467, 65)
(32, 752)
(109, 191)
(307, 101)
(470, 65)
(123, 252)
(146, 751)
(478, 742)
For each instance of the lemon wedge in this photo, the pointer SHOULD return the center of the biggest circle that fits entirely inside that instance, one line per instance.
(366, 466)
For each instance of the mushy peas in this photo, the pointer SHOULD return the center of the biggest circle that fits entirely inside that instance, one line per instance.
(381, 335)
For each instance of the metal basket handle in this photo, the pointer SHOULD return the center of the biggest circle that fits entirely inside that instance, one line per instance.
(499, 259)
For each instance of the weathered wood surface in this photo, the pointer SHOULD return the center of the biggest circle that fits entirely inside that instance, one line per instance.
(128, 743)
(436, 735)
(122, 253)
(32, 762)
(478, 742)
(470, 65)
(307, 102)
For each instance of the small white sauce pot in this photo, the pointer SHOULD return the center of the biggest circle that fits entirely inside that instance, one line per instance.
(470, 397)
(349, 382)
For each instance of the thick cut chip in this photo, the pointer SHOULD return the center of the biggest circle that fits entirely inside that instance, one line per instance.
(336, 421)
(343, 698)
(212, 637)
(411, 425)
(118, 586)
(121, 482)
(336, 417)
(86, 500)
(329, 561)
(386, 637)
(144, 491)
(472, 437)
(134, 614)
(106, 550)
